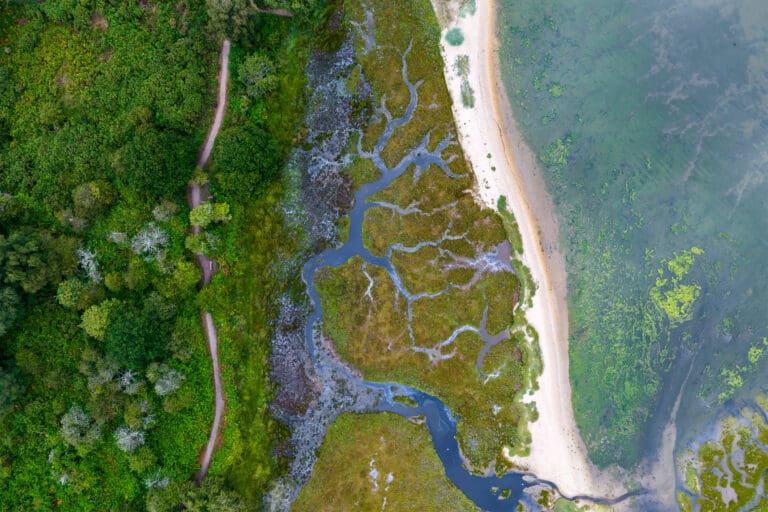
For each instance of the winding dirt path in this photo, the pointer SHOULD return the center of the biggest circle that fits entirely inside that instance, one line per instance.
(196, 195)
(221, 102)
(268, 10)
(218, 414)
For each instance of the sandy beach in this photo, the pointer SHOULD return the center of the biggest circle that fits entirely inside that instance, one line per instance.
(557, 452)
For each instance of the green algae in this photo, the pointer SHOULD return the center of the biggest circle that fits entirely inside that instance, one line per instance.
(555, 156)
(556, 90)
(670, 294)
(732, 379)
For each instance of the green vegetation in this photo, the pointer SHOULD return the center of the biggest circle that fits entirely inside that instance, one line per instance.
(461, 67)
(635, 368)
(376, 462)
(246, 160)
(726, 471)
(455, 37)
(556, 90)
(468, 8)
(105, 380)
(732, 379)
(671, 296)
(103, 108)
(364, 314)
(555, 156)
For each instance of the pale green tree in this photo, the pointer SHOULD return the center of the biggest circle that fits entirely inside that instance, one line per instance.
(257, 73)
(228, 18)
(95, 319)
(78, 429)
(70, 292)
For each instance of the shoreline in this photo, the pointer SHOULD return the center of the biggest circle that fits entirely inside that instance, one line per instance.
(557, 450)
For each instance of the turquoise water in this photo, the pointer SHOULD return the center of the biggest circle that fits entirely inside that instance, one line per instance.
(651, 120)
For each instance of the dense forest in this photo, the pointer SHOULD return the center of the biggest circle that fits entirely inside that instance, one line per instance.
(105, 381)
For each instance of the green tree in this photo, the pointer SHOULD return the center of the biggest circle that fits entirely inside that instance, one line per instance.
(142, 460)
(246, 158)
(204, 243)
(71, 292)
(208, 213)
(257, 73)
(92, 198)
(114, 281)
(9, 308)
(30, 260)
(228, 18)
(212, 495)
(182, 281)
(133, 338)
(11, 388)
(153, 164)
(96, 319)
(78, 429)
(24, 257)
(295, 7)
(136, 278)
(10, 210)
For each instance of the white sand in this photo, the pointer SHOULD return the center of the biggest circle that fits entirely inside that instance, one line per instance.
(557, 452)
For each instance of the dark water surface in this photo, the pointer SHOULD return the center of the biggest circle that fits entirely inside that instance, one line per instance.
(651, 120)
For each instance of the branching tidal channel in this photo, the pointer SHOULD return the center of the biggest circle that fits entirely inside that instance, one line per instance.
(489, 492)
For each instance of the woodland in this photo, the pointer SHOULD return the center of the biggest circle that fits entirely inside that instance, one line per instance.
(106, 394)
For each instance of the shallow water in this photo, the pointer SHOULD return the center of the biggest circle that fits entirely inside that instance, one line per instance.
(650, 118)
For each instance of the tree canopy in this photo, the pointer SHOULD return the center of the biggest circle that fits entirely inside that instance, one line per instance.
(245, 159)
(154, 164)
(133, 338)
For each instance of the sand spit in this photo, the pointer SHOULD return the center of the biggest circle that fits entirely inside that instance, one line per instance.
(504, 165)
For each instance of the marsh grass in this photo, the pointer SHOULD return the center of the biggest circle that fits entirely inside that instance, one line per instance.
(364, 313)
(738, 445)
(376, 462)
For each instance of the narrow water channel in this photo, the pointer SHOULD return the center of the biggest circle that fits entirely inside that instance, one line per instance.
(490, 493)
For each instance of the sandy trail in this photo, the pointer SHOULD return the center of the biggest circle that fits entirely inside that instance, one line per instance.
(210, 335)
(196, 195)
(221, 102)
(557, 451)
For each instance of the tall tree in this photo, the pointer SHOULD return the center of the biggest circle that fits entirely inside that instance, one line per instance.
(11, 388)
(228, 18)
(78, 429)
(9, 308)
(245, 159)
(24, 258)
(257, 73)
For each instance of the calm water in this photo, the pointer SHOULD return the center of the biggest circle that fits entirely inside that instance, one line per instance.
(651, 118)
